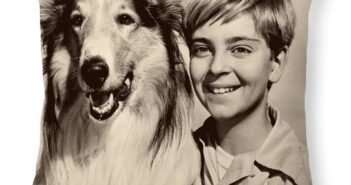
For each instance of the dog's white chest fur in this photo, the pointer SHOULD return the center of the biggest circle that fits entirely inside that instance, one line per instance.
(118, 154)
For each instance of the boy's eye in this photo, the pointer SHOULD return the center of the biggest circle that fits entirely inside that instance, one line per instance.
(200, 51)
(240, 51)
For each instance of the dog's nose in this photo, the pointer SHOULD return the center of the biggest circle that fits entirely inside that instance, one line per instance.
(94, 72)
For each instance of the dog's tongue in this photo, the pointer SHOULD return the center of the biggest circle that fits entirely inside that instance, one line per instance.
(99, 99)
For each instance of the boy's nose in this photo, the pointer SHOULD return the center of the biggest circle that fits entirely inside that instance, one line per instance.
(219, 65)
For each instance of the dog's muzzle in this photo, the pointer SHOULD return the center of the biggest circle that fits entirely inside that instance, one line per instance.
(103, 103)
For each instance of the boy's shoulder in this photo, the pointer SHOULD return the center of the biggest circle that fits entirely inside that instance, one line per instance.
(283, 151)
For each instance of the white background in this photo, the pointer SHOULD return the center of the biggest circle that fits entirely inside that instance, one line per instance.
(328, 93)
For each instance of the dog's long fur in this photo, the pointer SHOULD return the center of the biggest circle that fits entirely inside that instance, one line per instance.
(148, 139)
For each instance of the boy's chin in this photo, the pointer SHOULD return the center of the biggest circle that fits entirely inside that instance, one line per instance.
(223, 114)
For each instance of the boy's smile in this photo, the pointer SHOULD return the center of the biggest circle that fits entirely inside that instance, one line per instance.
(230, 66)
(221, 90)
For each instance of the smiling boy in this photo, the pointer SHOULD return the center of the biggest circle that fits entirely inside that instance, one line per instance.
(238, 50)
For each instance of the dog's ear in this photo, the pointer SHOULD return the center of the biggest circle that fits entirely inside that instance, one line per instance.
(168, 15)
(53, 19)
(153, 2)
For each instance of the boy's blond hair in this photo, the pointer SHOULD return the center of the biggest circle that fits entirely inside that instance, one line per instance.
(274, 19)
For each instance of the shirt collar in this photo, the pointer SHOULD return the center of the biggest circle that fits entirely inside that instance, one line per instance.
(282, 150)
(242, 164)
(241, 167)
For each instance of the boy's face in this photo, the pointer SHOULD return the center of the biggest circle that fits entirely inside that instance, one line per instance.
(230, 67)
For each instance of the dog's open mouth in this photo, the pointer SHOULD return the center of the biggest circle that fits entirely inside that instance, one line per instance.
(104, 103)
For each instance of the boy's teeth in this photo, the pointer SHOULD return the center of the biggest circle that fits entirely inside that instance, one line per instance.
(216, 91)
(222, 90)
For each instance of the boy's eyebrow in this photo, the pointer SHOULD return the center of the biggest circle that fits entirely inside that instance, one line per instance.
(236, 39)
(200, 39)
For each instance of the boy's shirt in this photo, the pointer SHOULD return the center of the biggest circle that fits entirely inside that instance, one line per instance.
(282, 159)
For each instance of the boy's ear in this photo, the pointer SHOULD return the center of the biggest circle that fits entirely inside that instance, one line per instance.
(278, 64)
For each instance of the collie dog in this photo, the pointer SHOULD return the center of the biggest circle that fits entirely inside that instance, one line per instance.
(118, 97)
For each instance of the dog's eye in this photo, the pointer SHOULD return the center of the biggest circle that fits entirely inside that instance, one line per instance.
(77, 20)
(125, 19)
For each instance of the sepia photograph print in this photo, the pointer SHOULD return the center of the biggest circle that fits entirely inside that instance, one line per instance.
(172, 92)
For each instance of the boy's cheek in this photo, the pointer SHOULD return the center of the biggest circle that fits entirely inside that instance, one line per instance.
(199, 66)
(196, 71)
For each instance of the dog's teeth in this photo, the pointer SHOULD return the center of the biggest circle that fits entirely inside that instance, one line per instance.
(107, 106)
(110, 101)
(127, 82)
(97, 109)
(105, 109)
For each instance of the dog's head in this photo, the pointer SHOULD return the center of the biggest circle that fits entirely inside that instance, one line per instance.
(108, 39)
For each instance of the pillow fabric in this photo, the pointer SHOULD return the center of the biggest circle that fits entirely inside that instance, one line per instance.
(174, 92)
